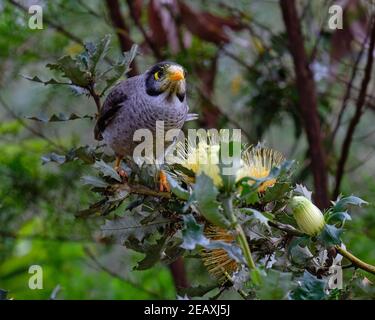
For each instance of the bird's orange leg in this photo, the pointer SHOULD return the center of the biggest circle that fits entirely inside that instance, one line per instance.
(163, 183)
(118, 168)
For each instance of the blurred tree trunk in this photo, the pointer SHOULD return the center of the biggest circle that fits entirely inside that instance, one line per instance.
(307, 100)
(179, 274)
(121, 30)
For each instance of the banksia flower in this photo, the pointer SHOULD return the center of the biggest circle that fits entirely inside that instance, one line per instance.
(258, 163)
(217, 261)
(308, 216)
(204, 157)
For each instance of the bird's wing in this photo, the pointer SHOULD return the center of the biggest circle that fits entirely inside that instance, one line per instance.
(114, 101)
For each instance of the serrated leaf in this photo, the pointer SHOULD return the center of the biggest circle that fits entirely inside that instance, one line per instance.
(274, 285)
(59, 117)
(192, 233)
(94, 181)
(53, 157)
(256, 216)
(120, 68)
(298, 250)
(97, 52)
(107, 170)
(276, 192)
(205, 194)
(342, 203)
(121, 229)
(176, 189)
(72, 70)
(50, 81)
(309, 288)
(330, 235)
(153, 254)
(302, 190)
(337, 217)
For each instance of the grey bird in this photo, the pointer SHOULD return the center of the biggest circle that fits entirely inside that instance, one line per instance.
(159, 94)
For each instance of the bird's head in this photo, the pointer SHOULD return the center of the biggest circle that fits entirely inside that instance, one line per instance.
(166, 77)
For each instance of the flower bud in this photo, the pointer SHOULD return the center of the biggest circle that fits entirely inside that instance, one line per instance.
(308, 216)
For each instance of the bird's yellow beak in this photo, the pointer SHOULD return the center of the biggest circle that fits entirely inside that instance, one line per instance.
(175, 73)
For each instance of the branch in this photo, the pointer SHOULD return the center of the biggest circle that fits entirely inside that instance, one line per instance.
(142, 190)
(147, 38)
(355, 261)
(358, 113)
(117, 276)
(308, 100)
(286, 228)
(349, 89)
(122, 31)
(31, 129)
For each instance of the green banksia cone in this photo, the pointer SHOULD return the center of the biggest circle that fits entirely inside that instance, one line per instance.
(308, 216)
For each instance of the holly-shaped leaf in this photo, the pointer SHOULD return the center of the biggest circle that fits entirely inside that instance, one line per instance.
(205, 197)
(309, 288)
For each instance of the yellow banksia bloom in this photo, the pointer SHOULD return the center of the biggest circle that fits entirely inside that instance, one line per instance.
(217, 261)
(308, 216)
(258, 163)
(204, 157)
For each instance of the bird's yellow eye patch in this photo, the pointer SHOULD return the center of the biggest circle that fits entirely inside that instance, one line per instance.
(156, 75)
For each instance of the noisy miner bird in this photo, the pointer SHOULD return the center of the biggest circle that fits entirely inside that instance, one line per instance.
(159, 94)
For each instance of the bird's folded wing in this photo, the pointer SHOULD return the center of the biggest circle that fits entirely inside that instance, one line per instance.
(112, 104)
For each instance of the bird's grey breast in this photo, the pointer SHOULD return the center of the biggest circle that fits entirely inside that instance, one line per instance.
(142, 111)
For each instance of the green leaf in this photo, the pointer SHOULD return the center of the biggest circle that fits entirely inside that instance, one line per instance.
(94, 181)
(303, 191)
(276, 192)
(3, 294)
(330, 235)
(274, 285)
(72, 70)
(298, 251)
(119, 69)
(97, 52)
(192, 233)
(153, 254)
(205, 194)
(107, 170)
(342, 203)
(337, 217)
(256, 216)
(59, 117)
(310, 288)
(131, 225)
(51, 81)
(53, 157)
(176, 189)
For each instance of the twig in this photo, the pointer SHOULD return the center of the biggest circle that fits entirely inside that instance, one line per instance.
(358, 113)
(117, 276)
(31, 129)
(142, 190)
(348, 89)
(307, 100)
(286, 228)
(355, 261)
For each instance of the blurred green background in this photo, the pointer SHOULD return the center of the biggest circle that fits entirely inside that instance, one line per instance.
(240, 77)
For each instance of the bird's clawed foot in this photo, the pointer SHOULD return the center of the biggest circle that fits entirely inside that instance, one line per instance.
(163, 183)
(121, 172)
